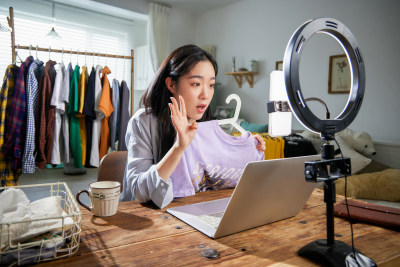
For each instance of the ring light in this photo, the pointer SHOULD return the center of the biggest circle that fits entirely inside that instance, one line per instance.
(328, 251)
(291, 64)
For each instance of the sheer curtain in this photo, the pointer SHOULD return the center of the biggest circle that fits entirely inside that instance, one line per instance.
(157, 32)
(143, 68)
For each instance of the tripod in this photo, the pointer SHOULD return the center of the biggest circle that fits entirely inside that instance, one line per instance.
(329, 251)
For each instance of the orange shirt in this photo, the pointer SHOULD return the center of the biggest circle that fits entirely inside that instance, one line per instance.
(105, 105)
(82, 125)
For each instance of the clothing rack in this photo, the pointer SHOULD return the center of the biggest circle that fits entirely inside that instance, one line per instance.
(50, 50)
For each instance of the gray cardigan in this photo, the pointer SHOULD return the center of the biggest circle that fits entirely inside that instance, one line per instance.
(141, 179)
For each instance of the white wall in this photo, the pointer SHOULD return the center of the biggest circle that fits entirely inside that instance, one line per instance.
(181, 28)
(260, 29)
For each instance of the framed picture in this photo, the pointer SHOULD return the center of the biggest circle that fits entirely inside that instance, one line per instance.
(339, 75)
(279, 65)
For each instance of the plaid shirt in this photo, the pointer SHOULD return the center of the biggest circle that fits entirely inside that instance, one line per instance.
(7, 176)
(14, 138)
(34, 72)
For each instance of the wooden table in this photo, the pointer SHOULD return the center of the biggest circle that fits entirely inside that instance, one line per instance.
(141, 235)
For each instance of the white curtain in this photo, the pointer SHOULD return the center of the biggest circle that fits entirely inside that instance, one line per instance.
(143, 69)
(158, 35)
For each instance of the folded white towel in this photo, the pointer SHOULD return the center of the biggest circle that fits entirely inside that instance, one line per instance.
(14, 207)
(13, 204)
(36, 214)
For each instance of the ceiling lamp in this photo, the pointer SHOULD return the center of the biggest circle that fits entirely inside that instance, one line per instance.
(53, 34)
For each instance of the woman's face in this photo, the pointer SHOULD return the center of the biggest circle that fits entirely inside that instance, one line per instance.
(196, 88)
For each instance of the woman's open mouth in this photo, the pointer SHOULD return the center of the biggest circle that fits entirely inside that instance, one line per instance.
(201, 108)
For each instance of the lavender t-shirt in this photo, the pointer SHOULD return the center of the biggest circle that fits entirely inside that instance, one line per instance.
(213, 160)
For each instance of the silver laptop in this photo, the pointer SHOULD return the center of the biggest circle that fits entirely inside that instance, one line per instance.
(268, 191)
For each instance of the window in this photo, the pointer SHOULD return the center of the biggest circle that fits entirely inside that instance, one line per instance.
(80, 29)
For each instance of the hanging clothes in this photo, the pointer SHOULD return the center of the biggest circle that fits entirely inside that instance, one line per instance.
(106, 107)
(33, 78)
(124, 115)
(70, 72)
(65, 121)
(47, 115)
(89, 112)
(7, 176)
(83, 80)
(94, 155)
(74, 130)
(61, 85)
(115, 115)
(14, 138)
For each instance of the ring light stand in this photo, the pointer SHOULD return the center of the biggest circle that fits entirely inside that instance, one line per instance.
(326, 251)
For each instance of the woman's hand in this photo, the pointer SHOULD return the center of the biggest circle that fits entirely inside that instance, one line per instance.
(261, 144)
(185, 129)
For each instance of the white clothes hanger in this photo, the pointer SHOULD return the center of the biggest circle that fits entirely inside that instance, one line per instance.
(17, 55)
(77, 57)
(233, 121)
(115, 71)
(123, 73)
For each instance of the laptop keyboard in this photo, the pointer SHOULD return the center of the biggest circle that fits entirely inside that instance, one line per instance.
(212, 219)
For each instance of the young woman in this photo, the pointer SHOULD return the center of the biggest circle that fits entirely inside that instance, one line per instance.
(159, 133)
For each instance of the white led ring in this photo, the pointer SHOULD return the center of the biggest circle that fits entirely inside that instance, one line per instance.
(291, 64)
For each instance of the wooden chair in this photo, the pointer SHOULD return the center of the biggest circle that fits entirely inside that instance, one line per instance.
(112, 167)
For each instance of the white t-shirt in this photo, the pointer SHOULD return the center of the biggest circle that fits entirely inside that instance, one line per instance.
(94, 154)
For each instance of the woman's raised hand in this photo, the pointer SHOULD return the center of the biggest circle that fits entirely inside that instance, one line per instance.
(185, 129)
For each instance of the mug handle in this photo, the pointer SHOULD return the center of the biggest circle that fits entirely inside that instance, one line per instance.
(77, 198)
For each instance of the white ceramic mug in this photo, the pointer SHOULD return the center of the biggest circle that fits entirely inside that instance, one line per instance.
(104, 197)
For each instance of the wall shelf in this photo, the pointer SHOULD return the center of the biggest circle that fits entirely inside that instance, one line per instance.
(248, 75)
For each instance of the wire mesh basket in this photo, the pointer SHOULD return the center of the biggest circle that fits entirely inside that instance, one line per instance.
(60, 241)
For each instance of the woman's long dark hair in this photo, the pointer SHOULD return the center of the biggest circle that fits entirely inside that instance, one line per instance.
(157, 96)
